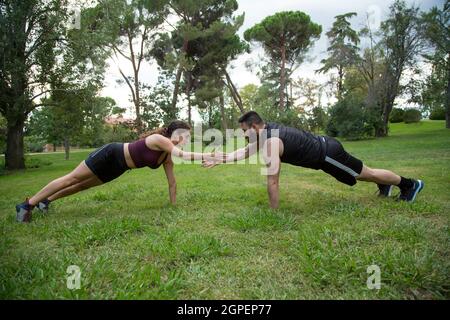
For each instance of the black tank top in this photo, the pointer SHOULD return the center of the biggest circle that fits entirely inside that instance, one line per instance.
(301, 148)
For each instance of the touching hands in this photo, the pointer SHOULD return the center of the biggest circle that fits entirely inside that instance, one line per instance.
(214, 159)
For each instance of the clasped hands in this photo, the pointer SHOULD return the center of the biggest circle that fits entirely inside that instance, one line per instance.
(214, 159)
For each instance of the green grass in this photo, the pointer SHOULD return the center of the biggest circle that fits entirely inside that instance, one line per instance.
(221, 241)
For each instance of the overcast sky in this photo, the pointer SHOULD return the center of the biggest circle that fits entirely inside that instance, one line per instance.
(321, 12)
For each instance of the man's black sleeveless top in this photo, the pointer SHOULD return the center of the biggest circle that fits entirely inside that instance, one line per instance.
(301, 148)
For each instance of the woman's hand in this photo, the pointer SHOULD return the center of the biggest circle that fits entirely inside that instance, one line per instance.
(209, 164)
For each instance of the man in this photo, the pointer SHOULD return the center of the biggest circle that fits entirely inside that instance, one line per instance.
(301, 148)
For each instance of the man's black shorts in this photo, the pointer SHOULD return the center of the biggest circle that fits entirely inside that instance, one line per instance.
(340, 164)
(107, 162)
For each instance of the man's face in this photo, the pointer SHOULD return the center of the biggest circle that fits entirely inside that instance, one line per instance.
(250, 132)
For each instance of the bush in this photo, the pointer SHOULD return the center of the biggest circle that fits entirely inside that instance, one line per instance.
(32, 162)
(437, 114)
(397, 115)
(34, 144)
(292, 118)
(412, 115)
(351, 119)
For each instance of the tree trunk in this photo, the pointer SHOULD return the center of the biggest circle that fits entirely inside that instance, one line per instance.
(282, 76)
(14, 157)
(447, 102)
(189, 109)
(178, 78)
(340, 82)
(54, 147)
(176, 89)
(222, 112)
(137, 102)
(234, 93)
(210, 116)
(66, 148)
(384, 129)
(188, 94)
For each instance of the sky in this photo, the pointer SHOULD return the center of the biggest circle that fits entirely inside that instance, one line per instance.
(321, 12)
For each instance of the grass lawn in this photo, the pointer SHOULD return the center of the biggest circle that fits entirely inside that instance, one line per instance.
(222, 242)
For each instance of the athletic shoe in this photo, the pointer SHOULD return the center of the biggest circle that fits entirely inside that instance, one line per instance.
(43, 206)
(384, 190)
(409, 195)
(23, 212)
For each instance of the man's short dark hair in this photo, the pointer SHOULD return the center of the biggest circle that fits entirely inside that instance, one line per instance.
(250, 118)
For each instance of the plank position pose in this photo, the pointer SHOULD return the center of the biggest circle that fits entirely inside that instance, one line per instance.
(112, 160)
(301, 148)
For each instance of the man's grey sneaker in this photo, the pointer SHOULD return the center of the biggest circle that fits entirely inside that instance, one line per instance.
(409, 195)
(43, 205)
(23, 212)
(384, 190)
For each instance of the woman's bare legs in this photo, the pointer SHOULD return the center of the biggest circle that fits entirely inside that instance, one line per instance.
(86, 184)
(78, 175)
(379, 176)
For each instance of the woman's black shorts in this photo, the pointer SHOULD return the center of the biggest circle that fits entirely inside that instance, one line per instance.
(107, 162)
(340, 164)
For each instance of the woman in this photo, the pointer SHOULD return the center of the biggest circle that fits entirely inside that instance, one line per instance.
(110, 161)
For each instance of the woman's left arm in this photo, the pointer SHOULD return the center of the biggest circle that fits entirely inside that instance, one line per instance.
(168, 168)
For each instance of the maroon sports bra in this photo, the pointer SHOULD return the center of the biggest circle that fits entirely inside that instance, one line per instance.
(143, 156)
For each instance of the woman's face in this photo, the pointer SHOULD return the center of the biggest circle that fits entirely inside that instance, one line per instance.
(181, 137)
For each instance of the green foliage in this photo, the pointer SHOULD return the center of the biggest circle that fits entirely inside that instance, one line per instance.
(119, 133)
(351, 119)
(317, 119)
(286, 38)
(291, 118)
(437, 114)
(412, 115)
(343, 49)
(436, 95)
(74, 116)
(397, 115)
(293, 30)
(34, 163)
(34, 144)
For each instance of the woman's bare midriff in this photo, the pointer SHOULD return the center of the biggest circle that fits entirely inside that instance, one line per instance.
(128, 159)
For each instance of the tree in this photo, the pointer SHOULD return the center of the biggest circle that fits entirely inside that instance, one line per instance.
(199, 48)
(39, 53)
(343, 49)
(249, 94)
(129, 28)
(286, 37)
(157, 108)
(70, 116)
(402, 41)
(29, 30)
(437, 33)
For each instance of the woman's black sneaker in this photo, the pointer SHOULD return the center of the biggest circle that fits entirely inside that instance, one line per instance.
(24, 212)
(43, 205)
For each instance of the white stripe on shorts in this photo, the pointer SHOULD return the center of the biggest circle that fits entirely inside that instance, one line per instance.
(341, 166)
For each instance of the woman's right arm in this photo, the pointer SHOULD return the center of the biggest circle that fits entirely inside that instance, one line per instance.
(166, 145)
